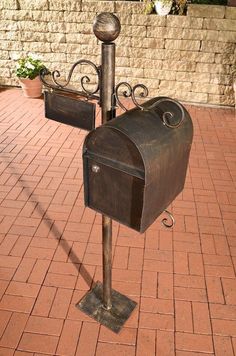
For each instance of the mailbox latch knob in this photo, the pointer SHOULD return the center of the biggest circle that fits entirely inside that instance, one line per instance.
(95, 168)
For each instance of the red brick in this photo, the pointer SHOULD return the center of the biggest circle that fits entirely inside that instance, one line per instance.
(191, 224)
(156, 321)
(183, 316)
(220, 271)
(196, 264)
(185, 246)
(121, 257)
(127, 288)
(85, 278)
(126, 275)
(21, 246)
(69, 269)
(93, 259)
(6, 224)
(14, 330)
(126, 336)
(156, 305)
(146, 342)
(69, 338)
(149, 284)
(38, 343)
(6, 352)
(77, 252)
(23, 289)
(59, 280)
(216, 260)
(135, 259)
(219, 311)
(165, 343)
(114, 350)
(39, 271)
(88, 339)
(201, 318)
(6, 274)
(17, 303)
(62, 251)
(194, 342)
(208, 244)
(42, 242)
(44, 301)
(158, 266)
(61, 303)
(181, 265)
(24, 269)
(229, 287)
(42, 325)
(190, 294)
(234, 344)
(151, 239)
(189, 281)
(165, 286)
(4, 319)
(133, 241)
(214, 290)
(223, 346)
(3, 287)
(7, 244)
(165, 241)
(40, 253)
(224, 327)
(9, 261)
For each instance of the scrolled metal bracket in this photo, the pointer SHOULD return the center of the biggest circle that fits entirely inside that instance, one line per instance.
(166, 116)
(56, 85)
(130, 92)
(170, 218)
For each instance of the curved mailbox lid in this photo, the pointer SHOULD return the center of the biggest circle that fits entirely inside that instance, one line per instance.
(152, 138)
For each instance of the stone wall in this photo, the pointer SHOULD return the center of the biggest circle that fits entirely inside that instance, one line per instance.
(186, 57)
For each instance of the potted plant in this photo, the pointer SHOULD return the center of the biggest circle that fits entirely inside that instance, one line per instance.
(162, 7)
(27, 70)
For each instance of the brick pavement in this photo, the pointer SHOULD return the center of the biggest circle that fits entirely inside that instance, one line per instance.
(50, 246)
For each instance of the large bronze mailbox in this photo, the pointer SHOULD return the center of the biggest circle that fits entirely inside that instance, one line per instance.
(135, 165)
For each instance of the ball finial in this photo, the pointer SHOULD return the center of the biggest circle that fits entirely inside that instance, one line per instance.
(106, 27)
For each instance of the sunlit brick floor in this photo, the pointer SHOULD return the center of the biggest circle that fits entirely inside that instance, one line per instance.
(50, 246)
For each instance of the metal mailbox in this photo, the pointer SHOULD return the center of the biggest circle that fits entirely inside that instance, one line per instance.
(135, 165)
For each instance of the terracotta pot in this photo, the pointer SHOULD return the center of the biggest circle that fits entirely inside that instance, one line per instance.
(162, 8)
(232, 3)
(32, 88)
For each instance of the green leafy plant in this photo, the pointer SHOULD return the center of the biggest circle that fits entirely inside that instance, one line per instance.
(150, 5)
(178, 7)
(29, 67)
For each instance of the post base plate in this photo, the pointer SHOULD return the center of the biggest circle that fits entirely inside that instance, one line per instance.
(114, 319)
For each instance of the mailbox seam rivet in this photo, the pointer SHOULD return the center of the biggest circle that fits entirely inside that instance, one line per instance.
(95, 168)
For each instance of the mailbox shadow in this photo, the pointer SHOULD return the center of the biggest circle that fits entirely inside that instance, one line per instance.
(56, 232)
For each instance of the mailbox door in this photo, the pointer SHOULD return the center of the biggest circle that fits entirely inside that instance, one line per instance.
(114, 192)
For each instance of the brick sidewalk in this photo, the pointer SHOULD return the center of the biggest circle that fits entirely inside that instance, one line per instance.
(50, 246)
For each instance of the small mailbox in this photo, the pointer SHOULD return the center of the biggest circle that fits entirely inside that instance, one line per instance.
(135, 165)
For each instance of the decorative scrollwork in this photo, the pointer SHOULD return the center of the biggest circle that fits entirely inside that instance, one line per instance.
(171, 219)
(130, 92)
(55, 75)
(167, 116)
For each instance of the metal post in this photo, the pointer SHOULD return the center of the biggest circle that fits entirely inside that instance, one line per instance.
(106, 96)
(103, 303)
(107, 260)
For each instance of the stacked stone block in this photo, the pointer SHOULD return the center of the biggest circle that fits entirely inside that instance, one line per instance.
(188, 57)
